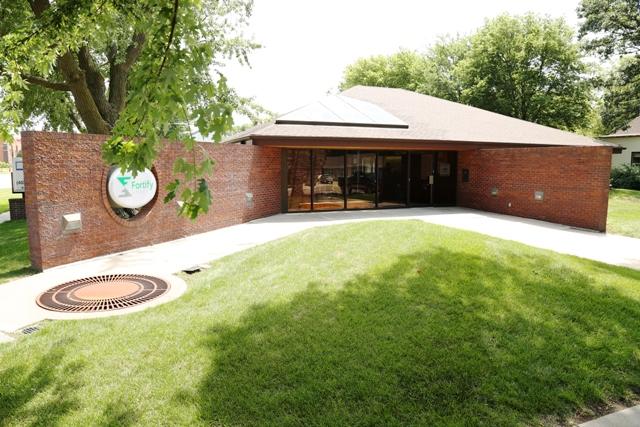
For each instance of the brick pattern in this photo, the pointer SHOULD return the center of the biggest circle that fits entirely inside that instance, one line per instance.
(575, 182)
(17, 209)
(64, 173)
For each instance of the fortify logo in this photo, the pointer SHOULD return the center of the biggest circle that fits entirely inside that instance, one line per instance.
(124, 180)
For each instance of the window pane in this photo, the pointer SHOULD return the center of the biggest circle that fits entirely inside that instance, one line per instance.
(392, 173)
(298, 177)
(361, 180)
(328, 175)
(635, 158)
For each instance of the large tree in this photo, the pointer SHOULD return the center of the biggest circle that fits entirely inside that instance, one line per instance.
(611, 29)
(527, 67)
(139, 71)
(405, 69)
(530, 68)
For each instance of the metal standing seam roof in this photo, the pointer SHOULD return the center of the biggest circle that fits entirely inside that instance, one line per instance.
(428, 119)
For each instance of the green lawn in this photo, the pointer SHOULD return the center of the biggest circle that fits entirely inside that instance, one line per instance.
(624, 212)
(5, 195)
(14, 250)
(372, 323)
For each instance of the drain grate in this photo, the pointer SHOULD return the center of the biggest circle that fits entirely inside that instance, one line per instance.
(102, 293)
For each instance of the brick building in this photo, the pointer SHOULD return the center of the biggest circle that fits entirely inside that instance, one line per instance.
(367, 148)
(9, 150)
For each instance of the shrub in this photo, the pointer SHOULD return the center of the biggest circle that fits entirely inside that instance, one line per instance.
(626, 176)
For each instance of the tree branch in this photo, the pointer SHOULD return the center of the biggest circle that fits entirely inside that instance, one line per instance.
(174, 20)
(119, 72)
(46, 83)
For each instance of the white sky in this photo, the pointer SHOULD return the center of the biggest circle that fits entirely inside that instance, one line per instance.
(308, 43)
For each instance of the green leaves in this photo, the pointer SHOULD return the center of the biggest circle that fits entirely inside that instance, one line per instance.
(611, 28)
(145, 71)
(527, 67)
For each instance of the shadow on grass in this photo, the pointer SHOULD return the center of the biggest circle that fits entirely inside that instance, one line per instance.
(14, 250)
(438, 338)
(39, 392)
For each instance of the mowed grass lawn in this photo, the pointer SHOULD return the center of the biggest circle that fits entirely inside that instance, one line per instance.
(624, 212)
(372, 323)
(14, 250)
(5, 195)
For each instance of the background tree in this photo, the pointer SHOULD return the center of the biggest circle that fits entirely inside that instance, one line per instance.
(139, 71)
(527, 67)
(405, 69)
(530, 68)
(611, 29)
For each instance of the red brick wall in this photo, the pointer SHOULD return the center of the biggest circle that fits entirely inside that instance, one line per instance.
(64, 173)
(575, 182)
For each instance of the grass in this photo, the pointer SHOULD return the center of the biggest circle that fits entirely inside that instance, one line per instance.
(624, 212)
(5, 195)
(14, 250)
(387, 322)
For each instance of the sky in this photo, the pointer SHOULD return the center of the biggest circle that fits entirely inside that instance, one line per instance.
(308, 43)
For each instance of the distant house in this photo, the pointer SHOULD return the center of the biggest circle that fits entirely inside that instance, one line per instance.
(8, 151)
(629, 139)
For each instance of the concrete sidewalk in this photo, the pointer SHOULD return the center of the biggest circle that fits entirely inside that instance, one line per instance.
(629, 417)
(17, 298)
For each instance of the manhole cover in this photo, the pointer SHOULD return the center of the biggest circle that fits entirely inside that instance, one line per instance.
(103, 293)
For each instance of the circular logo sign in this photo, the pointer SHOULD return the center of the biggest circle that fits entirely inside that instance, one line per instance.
(127, 191)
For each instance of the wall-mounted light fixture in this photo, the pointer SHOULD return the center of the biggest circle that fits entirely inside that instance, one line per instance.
(494, 191)
(71, 223)
(538, 195)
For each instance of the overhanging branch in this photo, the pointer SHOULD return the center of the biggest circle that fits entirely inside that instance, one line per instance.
(46, 83)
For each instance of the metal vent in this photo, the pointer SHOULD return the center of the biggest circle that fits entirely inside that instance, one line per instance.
(102, 293)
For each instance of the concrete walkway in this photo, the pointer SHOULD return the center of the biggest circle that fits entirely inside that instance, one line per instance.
(5, 180)
(17, 298)
(629, 417)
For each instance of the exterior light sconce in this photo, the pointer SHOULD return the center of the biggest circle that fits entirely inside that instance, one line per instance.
(249, 199)
(71, 223)
(494, 191)
(538, 195)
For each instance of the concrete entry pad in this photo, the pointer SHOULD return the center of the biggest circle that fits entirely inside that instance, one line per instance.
(17, 298)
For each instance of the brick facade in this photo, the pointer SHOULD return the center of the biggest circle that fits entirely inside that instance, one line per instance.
(64, 174)
(575, 182)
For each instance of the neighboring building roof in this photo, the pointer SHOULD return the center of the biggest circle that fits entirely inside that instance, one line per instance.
(632, 130)
(428, 119)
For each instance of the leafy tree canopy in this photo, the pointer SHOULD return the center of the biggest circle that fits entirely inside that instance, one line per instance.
(140, 71)
(527, 67)
(611, 29)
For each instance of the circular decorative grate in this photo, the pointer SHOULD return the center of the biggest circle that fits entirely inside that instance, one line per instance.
(102, 293)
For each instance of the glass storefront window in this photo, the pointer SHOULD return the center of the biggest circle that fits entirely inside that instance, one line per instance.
(361, 180)
(338, 179)
(392, 176)
(328, 176)
(298, 180)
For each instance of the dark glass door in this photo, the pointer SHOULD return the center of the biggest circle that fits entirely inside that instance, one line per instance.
(421, 178)
(392, 179)
(444, 193)
(361, 180)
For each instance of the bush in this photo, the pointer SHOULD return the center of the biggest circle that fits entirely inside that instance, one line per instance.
(4, 165)
(626, 177)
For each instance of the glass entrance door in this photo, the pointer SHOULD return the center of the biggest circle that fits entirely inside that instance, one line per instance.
(392, 179)
(421, 169)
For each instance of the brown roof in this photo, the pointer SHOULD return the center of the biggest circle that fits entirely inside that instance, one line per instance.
(429, 119)
(632, 130)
